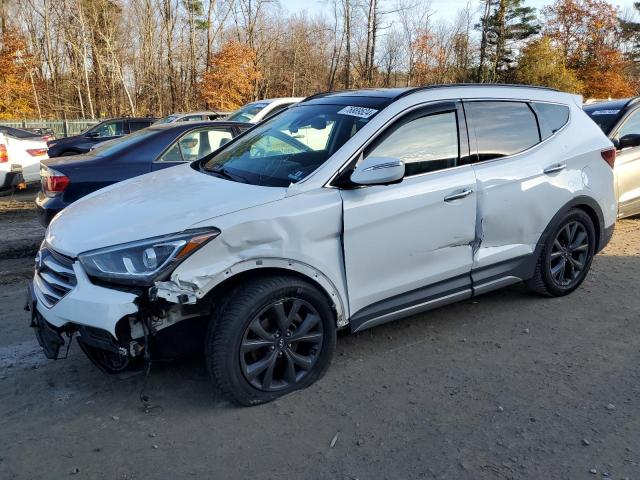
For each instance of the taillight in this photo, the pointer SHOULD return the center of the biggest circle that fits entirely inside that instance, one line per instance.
(53, 182)
(37, 152)
(4, 155)
(609, 156)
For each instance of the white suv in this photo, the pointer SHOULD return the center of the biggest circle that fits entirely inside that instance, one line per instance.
(348, 210)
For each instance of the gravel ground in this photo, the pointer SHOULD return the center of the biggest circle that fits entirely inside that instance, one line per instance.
(506, 386)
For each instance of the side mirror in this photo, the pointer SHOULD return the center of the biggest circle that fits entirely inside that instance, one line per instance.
(378, 171)
(92, 134)
(629, 140)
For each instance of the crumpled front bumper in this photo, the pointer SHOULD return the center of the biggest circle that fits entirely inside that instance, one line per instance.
(87, 305)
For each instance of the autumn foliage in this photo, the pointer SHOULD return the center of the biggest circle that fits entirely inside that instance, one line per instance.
(230, 78)
(16, 90)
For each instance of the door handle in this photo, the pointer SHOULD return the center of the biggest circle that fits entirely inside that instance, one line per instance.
(458, 195)
(554, 168)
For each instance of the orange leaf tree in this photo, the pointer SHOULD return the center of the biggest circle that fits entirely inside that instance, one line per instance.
(230, 78)
(588, 32)
(16, 91)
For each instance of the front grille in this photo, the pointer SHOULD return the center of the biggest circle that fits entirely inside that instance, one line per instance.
(54, 276)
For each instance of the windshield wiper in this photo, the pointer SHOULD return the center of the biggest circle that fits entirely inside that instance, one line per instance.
(222, 173)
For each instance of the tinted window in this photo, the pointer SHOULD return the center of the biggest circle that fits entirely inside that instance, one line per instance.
(195, 145)
(17, 132)
(135, 126)
(630, 126)
(424, 144)
(551, 117)
(604, 117)
(288, 147)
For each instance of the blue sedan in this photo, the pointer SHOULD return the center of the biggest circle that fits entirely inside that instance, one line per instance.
(67, 179)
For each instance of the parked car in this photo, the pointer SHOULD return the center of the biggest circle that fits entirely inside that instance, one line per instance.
(106, 130)
(192, 117)
(47, 134)
(23, 148)
(10, 174)
(255, 112)
(417, 198)
(620, 121)
(65, 180)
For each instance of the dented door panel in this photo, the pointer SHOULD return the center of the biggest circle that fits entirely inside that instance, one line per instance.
(401, 237)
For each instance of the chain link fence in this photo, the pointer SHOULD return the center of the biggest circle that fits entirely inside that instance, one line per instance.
(62, 128)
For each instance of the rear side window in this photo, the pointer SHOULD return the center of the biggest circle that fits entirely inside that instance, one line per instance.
(503, 128)
(138, 125)
(552, 117)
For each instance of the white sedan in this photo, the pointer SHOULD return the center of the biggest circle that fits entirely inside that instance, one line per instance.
(20, 148)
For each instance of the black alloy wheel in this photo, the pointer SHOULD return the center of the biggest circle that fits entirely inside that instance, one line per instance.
(566, 255)
(269, 336)
(569, 254)
(281, 344)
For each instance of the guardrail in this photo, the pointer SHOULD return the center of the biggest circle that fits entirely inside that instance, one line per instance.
(62, 128)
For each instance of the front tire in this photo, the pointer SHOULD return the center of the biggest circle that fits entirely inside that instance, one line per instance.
(275, 335)
(566, 256)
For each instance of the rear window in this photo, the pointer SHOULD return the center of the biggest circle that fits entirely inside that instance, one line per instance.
(552, 117)
(604, 117)
(117, 145)
(503, 128)
(17, 132)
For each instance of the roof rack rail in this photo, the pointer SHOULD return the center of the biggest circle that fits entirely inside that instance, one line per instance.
(449, 85)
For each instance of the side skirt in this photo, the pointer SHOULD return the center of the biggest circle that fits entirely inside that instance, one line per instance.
(479, 281)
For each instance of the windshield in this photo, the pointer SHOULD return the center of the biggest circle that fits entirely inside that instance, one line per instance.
(118, 144)
(168, 119)
(247, 112)
(290, 146)
(604, 117)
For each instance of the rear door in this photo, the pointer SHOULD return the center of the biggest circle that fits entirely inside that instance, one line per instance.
(521, 184)
(409, 243)
(627, 167)
(193, 145)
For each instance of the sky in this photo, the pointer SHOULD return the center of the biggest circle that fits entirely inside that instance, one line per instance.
(444, 9)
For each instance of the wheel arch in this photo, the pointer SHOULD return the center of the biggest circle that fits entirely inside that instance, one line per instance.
(591, 208)
(217, 287)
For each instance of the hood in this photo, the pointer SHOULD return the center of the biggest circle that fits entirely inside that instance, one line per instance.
(159, 203)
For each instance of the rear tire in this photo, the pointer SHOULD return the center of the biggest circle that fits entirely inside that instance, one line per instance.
(275, 335)
(566, 256)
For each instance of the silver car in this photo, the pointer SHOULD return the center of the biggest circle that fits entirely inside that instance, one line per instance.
(620, 121)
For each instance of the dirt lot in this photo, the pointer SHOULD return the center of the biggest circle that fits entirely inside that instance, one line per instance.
(508, 385)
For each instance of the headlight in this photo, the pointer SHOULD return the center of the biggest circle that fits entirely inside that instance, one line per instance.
(141, 262)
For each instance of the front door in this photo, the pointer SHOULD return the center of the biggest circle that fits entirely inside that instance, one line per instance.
(410, 243)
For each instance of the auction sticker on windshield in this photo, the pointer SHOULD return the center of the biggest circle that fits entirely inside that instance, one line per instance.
(361, 112)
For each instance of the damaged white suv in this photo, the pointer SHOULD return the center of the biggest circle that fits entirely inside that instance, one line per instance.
(347, 210)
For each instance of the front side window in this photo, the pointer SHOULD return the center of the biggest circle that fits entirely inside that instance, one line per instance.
(424, 144)
(196, 144)
(108, 129)
(502, 128)
(287, 148)
(631, 125)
